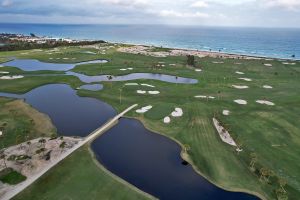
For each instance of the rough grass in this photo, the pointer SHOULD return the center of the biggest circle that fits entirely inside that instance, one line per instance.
(20, 122)
(77, 178)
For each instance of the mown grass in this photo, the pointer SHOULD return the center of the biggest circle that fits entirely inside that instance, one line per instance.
(272, 132)
(77, 178)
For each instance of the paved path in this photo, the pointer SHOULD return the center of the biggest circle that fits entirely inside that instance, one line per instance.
(20, 187)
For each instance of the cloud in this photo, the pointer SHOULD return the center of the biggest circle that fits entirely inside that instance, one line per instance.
(127, 3)
(286, 4)
(177, 14)
(199, 4)
(6, 3)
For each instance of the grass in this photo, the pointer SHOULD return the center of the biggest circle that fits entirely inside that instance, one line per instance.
(76, 178)
(11, 176)
(269, 131)
(20, 122)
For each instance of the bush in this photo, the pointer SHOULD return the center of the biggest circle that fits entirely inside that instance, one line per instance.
(11, 176)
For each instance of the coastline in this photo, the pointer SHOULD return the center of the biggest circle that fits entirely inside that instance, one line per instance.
(212, 53)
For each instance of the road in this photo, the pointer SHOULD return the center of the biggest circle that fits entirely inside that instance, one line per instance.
(20, 187)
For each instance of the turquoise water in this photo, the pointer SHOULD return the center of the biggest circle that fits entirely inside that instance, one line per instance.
(270, 42)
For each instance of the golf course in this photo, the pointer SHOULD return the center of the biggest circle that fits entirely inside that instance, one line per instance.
(253, 99)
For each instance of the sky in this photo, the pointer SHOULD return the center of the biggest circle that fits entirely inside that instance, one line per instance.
(249, 13)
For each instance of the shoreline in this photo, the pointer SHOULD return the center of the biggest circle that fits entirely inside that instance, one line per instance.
(205, 51)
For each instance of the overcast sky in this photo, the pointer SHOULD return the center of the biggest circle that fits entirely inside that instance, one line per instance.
(257, 13)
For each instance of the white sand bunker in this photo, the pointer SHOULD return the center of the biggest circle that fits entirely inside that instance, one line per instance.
(177, 113)
(286, 63)
(240, 86)
(66, 58)
(154, 92)
(1, 133)
(269, 103)
(130, 84)
(198, 70)
(172, 64)
(237, 72)
(141, 91)
(218, 62)
(223, 133)
(2, 72)
(226, 112)
(246, 79)
(204, 97)
(147, 85)
(167, 120)
(240, 101)
(11, 77)
(267, 87)
(125, 69)
(201, 96)
(268, 65)
(144, 109)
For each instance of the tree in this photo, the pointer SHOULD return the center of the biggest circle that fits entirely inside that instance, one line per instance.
(62, 146)
(190, 60)
(3, 157)
(263, 173)
(253, 160)
(282, 182)
(42, 142)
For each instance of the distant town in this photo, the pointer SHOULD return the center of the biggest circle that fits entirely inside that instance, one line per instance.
(10, 41)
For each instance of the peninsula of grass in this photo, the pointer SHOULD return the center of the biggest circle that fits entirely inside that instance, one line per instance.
(19, 122)
(79, 177)
(268, 135)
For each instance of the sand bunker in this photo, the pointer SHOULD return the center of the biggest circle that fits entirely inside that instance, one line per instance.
(237, 63)
(268, 65)
(217, 62)
(286, 63)
(125, 69)
(144, 84)
(1, 72)
(129, 84)
(223, 133)
(240, 101)
(211, 97)
(246, 79)
(267, 87)
(269, 103)
(172, 64)
(240, 86)
(177, 113)
(1, 133)
(225, 112)
(198, 70)
(237, 72)
(11, 77)
(167, 120)
(141, 91)
(154, 92)
(201, 96)
(144, 109)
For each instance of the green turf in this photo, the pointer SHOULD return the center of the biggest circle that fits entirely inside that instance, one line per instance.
(77, 178)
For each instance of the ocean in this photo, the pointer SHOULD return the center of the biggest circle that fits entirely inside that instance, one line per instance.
(268, 42)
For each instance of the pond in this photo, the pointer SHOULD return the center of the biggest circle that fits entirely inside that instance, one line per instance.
(133, 76)
(145, 159)
(36, 65)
